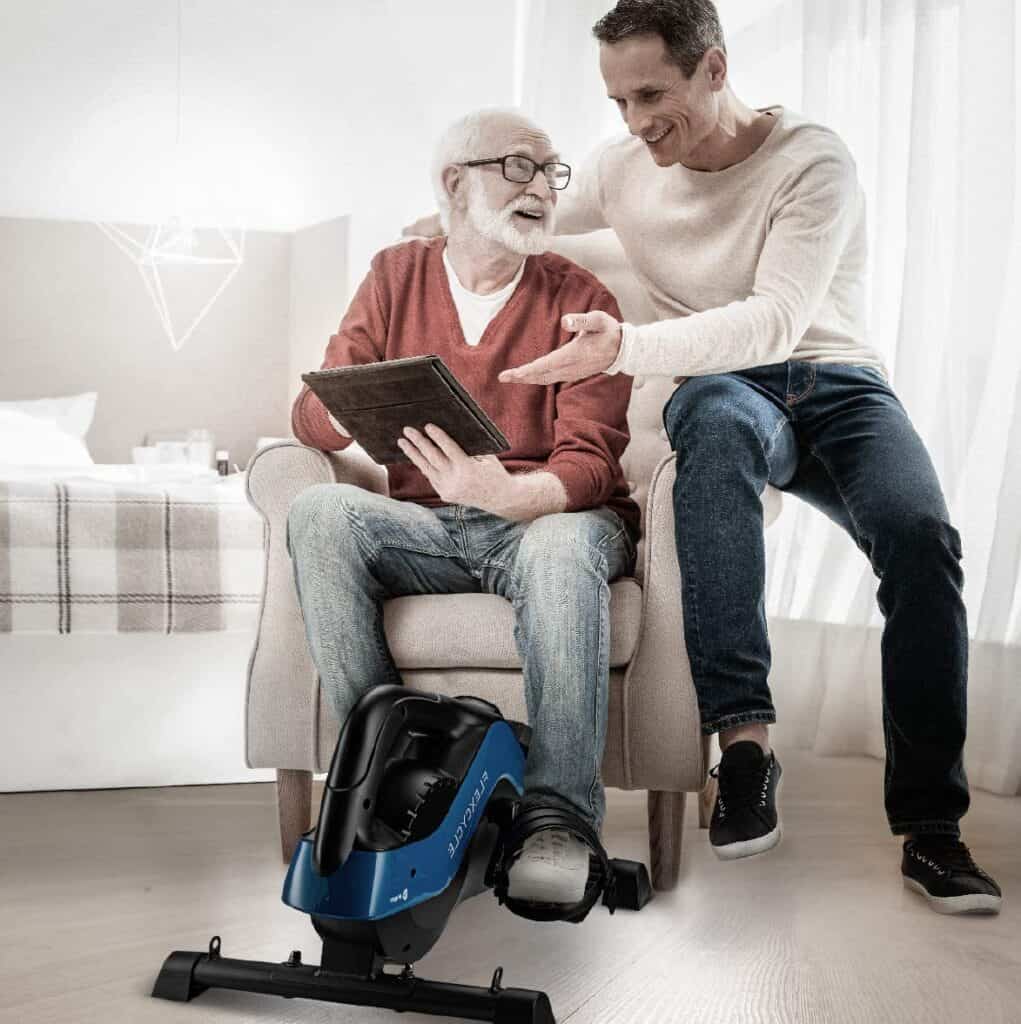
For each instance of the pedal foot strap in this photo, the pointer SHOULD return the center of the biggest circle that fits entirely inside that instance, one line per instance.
(542, 818)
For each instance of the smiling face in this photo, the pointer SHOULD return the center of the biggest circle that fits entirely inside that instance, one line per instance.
(517, 215)
(675, 116)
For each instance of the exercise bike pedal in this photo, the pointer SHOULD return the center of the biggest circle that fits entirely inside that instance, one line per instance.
(631, 886)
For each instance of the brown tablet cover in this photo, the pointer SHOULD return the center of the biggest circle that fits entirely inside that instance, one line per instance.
(374, 402)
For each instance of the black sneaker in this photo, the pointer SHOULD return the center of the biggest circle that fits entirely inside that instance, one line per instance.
(745, 819)
(941, 869)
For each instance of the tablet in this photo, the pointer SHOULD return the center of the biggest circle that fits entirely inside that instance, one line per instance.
(374, 402)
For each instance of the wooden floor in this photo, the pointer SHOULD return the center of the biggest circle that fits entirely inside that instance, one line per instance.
(97, 887)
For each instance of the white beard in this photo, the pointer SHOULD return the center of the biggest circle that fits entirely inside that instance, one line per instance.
(502, 227)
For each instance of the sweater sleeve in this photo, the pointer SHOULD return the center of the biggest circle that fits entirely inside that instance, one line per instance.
(590, 430)
(580, 208)
(360, 338)
(811, 222)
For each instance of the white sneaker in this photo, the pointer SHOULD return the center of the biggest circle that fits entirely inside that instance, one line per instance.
(552, 868)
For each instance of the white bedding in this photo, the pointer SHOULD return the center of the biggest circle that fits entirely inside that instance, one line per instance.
(115, 548)
(118, 473)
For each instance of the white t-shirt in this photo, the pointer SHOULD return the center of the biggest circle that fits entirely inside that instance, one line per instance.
(761, 262)
(476, 311)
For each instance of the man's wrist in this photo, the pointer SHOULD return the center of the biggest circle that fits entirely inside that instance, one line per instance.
(531, 495)
(623, 348)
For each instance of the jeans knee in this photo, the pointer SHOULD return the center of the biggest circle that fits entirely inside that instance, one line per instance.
(921, 532)
(713, 418)
(314, 515)
(303, 513)
(564, 543)
(917, 542)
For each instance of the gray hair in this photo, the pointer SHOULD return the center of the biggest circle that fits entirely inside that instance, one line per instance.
(688, 27)
(460, 142)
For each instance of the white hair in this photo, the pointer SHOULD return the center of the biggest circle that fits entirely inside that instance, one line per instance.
(461, 142)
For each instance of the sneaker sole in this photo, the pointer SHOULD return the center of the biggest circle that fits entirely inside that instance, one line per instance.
(545, 892)
(971, 903)
(760, 844)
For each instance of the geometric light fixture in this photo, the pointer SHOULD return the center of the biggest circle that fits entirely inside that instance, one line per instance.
(176, 243)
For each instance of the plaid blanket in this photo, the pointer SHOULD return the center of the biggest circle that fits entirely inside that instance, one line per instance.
(90, 557)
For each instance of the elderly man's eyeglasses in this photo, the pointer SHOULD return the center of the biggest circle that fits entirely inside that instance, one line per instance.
(521, 169)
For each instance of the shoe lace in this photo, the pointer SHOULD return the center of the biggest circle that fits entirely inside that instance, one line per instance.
(742, 787)
(948, 855)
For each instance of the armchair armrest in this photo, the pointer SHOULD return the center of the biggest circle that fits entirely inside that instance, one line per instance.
(278, 473)
(283, 685)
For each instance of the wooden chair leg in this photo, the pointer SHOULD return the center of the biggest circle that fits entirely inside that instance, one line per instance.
(294, 807)
(666, 829)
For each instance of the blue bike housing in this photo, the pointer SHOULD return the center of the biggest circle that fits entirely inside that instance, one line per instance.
(376, 884)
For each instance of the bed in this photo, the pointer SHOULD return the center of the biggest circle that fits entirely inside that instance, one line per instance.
(129, 598)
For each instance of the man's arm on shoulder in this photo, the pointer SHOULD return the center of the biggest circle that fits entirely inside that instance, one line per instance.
(580, 205)
(359, 339)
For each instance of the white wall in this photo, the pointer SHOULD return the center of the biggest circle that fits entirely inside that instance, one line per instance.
(75, 316)
(319, 295)
(292, 114)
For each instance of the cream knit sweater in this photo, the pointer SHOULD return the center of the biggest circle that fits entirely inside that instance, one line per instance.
(761, 262)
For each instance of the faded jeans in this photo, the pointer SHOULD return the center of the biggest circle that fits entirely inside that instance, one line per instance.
(352, 549)
(836, 436)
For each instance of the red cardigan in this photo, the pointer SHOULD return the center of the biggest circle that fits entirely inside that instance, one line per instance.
(576, 430)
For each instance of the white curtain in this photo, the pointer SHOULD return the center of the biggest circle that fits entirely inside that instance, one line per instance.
(926, 95)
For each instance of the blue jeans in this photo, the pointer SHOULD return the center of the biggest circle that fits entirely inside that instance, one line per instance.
(836, 436)
(352, 549)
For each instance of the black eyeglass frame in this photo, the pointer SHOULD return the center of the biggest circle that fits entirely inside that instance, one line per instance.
(502, 161)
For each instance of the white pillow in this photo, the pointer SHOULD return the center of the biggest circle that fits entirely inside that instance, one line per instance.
(32, 441)
(73, 413)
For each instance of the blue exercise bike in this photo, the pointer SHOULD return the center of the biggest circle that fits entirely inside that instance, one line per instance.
(421, 810)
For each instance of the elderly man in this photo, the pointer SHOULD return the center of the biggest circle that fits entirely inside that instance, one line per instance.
(547, 524)
(747, 227)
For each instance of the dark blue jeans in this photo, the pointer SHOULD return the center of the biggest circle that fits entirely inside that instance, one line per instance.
(836, 436)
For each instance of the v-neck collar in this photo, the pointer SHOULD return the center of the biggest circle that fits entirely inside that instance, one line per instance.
(439, 272)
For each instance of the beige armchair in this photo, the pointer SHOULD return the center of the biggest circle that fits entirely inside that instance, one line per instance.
(653, 737)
